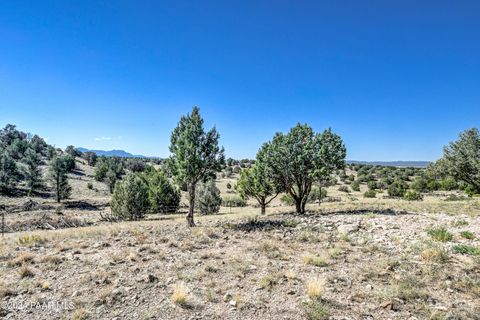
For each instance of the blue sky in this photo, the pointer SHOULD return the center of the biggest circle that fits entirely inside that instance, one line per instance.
(396, 79)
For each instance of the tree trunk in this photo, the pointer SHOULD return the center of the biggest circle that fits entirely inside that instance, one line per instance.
(298, 205)
(264, 208)
(191, 195)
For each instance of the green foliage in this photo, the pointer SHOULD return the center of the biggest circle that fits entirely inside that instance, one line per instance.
(9, 173)
(440, 234)
(130, 199)
(344, 189)
(91, 158)
(72, 151)
(355, 186)
(135, 165)
(370, 194)
(163, 196)
(300, 157)
(397, 189)
(461, 159)
(420, 184)
(257, 182)
(195, 155)
(207, 198)
(109, 170)
(32, 172)
(466, 249)
(412, 195)
(233, 201)
(372, 185)
(448, 184)
(317, 194)
(467, 235)
(57, 175)
(287, 200)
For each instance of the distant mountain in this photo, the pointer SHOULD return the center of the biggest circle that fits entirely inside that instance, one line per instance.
(414, 164)
(112, 153)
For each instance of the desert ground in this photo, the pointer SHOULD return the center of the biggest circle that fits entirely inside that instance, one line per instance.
(355, 258)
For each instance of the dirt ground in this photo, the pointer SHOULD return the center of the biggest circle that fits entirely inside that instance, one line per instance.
(354, 259)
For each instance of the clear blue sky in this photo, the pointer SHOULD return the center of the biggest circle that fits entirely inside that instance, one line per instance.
(397, 79)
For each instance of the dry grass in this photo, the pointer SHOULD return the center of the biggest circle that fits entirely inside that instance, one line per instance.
(315, 288)
(180, 295)
(317, 261)
(25, 271)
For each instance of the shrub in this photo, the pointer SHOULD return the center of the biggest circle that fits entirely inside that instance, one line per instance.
(317, 194)
(233, 201)
(372, 185)
(287, 200)
(467, 235)
(370, 194)
(355, 186)
(315, 289)
(448, 184)
(412, 195)
(344, 189)
(162, 194)
(207, 198)
(130, 199)
(440, 234)
(397, 188)
(135, 165)
(90, 185)
(420, 184)
(466, 249)
(9, 173)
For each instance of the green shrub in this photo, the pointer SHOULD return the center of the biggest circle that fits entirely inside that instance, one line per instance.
(370, 194)
(287, 200)
(355, 186)
(466, 249)
(440, 234)
(420, 184)
(412, 195)
(207, 198)
(397, 189)
(467, 235)
(372, 185)
(344, 189)
(130, 199)
(448, 184)
(90, 185)
(233, 201)
(163, 196)
(317, 194)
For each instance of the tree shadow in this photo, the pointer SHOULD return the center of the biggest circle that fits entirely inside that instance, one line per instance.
(80, 205)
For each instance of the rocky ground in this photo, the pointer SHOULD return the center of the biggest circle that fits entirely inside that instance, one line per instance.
(341, 265)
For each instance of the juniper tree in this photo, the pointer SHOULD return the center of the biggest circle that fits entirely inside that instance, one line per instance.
(300, 157)
(195, 155)
(9, 173)
(207, 198)
(461, 159)
(130, 198)
(257, 182)
(32, 172)
(58, 169)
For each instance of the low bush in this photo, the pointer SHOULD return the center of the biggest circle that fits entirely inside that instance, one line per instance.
(207, 198)
(355, 186)
(370, 194)
(440, 234)
(130, 198)
(344, 189)
(397, 189)
(412, 195)
(233, 201)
